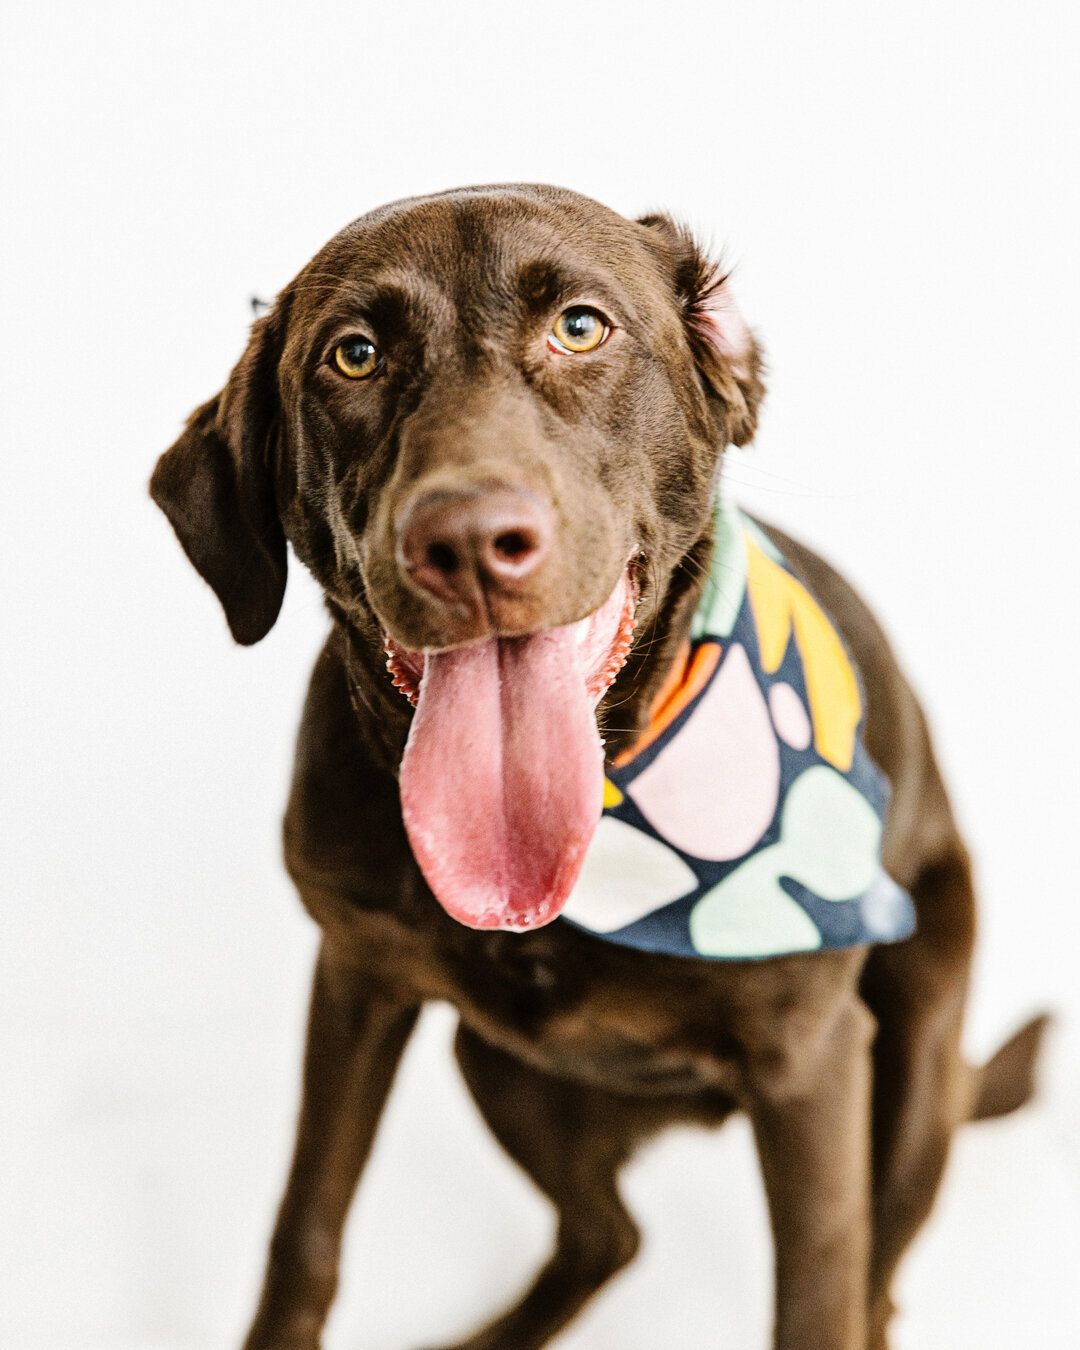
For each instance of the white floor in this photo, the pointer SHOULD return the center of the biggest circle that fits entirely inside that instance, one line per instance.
(138, 1191)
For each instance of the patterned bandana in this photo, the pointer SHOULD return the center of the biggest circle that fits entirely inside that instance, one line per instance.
(746, 821)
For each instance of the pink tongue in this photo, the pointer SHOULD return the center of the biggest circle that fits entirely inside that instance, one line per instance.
(502, 780)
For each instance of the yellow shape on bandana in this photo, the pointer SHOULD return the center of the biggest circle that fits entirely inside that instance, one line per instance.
(779, 604)
(612, 795)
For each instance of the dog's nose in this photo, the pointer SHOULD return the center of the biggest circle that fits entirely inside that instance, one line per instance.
(459, 545)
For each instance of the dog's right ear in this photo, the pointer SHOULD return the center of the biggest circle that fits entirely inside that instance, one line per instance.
(216, 486)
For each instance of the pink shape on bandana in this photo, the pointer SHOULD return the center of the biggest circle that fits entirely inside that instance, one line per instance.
(790, 718)
(712, 791)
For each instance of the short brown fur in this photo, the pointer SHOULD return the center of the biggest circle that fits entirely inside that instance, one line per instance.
(574, 1048)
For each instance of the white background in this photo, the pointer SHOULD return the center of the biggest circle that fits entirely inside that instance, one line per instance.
(898, 186)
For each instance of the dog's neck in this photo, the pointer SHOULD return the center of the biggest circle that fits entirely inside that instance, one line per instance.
(658, 644)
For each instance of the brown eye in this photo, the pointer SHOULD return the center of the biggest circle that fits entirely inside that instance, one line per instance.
(357, 358)
(578, 329)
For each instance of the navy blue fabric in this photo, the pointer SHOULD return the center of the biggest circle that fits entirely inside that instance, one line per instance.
(883, 912)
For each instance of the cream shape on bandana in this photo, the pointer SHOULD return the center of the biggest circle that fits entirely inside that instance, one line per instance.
(627, 874)
(789, 716)
(829, 841)
(716, 805)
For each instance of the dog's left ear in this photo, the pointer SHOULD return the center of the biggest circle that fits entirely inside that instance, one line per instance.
(725, 350)
(216, 486)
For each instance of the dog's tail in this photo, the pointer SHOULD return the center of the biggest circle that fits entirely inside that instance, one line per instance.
(1007, 1080)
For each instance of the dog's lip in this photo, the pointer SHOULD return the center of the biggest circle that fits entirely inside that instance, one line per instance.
(601, 666)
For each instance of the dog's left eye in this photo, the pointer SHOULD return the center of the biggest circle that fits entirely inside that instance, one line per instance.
(578, 329)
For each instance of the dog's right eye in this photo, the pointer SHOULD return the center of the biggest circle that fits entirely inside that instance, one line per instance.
(356, 358)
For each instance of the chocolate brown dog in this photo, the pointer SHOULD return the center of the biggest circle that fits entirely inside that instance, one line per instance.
(490, 422)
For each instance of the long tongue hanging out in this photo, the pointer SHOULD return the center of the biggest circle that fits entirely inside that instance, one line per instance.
(502, 779)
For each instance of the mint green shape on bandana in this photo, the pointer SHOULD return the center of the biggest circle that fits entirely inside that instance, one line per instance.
(723, 594)
(829, 841)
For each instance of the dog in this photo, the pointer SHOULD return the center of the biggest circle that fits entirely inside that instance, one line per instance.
(491, 423)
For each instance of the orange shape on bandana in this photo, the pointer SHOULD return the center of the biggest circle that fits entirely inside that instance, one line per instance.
(687, 678)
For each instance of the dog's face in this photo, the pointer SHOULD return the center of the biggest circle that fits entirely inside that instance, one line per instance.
(490, 424)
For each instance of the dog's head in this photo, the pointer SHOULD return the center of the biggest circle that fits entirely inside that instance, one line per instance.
(490, 423)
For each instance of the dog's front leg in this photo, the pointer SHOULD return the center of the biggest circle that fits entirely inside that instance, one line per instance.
(811, 1118)
(355, 1040)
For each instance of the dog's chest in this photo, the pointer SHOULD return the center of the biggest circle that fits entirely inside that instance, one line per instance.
(611, 1017)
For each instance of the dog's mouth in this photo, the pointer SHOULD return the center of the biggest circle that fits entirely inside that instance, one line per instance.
(502, 780)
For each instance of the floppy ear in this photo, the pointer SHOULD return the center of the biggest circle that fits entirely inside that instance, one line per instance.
(216, 486)
(725, 350)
